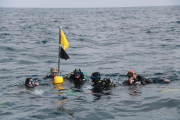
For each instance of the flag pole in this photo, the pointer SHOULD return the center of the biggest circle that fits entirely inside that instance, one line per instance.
(59, 49)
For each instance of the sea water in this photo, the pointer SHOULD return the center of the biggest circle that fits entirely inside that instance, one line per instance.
(111, 41)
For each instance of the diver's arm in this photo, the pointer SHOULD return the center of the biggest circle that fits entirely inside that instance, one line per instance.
(36, 83)
(126, 82)
(71, 77)
(161, 80)
(82, 76)
(152, 81)
(166, 80)
(148, 80)
(144, 80)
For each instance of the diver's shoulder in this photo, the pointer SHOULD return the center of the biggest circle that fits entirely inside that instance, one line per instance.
(126, 82)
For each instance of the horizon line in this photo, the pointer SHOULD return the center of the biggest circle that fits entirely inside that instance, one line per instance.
(92, 7)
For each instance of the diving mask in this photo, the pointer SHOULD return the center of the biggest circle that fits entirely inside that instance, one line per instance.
(130, 74)
(77, 73)
(30, 83)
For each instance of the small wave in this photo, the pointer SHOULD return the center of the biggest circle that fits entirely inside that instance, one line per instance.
(6, 60)
(9, 48)
(99, 12)
(38, 92)
(164, 45)
(81, 39)
(168, 39)
(25, 62)
(48, 61)
(148, 31)
(159, 73)
(178, 22)
(66, 28)
(44, 41)
(5, 34)
(178, 46)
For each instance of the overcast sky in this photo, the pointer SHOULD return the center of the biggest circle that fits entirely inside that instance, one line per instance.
(85, 3)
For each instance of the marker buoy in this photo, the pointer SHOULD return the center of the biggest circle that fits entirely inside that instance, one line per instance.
(58, 79)
(59, 86)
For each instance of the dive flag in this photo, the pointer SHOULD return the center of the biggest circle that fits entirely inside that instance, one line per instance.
(64, 40)
(63, 54)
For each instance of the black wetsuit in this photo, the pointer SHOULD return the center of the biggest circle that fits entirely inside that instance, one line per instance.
(141, 80)
(105, 84)
(79, 80)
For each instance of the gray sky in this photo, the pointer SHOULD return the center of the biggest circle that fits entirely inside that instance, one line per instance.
(85, 3)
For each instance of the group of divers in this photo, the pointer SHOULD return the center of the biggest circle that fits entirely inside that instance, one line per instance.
(78, 78)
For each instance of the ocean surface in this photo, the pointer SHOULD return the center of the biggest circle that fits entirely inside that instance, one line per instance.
(111, 41)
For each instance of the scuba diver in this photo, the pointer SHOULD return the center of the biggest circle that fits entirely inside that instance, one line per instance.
(30, 83)
(53, 73)
(99, 85)
(77, 77)
(134, 79)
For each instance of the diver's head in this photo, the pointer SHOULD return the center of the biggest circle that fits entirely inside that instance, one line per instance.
(77, 73)
(95, 77)
(29, 82)
(53, 72)
(131, 76)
